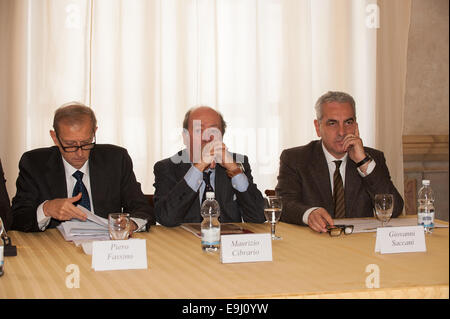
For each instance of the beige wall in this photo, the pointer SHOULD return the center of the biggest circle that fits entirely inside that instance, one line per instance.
(426, 97)
(426, 100)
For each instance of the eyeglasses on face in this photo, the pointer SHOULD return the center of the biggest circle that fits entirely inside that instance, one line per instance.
(337, 230)
(71, 149)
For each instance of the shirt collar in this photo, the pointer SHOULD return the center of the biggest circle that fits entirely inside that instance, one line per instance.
(69, 169)
(330, 158)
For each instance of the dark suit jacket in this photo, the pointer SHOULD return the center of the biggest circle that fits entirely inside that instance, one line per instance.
(5, 205)
(176, 202)
(113, 185)
(304, 182)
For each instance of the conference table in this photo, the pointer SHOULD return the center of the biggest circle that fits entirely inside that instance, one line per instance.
(305, 265)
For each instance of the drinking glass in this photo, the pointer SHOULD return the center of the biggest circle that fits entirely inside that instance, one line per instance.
(384, 204)
(119, 226)
(272, 211)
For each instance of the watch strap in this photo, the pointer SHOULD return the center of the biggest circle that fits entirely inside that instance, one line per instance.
(364, 161)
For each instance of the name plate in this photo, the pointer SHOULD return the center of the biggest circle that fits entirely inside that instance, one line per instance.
(400, 240)
(245, 248)
(119, 254)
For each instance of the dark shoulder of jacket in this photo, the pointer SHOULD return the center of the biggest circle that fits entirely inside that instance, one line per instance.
(304, 151)
(376, 154)
(181, 157)
(105, 150)
(40, 155)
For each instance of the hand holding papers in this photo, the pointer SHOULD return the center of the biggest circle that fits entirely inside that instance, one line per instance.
(94, 228)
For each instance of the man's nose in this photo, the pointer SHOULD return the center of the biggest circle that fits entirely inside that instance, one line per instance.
(79, 151)
(341, 130)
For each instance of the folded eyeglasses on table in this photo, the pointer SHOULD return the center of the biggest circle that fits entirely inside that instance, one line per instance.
(337, 230)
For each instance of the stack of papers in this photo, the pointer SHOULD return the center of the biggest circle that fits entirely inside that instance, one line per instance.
(94, 228)
(370, 224)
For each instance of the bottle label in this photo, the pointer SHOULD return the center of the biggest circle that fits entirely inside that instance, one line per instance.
(1, 255)
(211, 236)
(425, 219)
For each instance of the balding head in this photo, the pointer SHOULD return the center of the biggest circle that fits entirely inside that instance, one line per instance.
(202, 111)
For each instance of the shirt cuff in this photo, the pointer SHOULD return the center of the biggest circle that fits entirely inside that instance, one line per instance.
(42, 220)
(306, 214)
(194, 178)
(140, 224)
(369, 170)
(240, 182)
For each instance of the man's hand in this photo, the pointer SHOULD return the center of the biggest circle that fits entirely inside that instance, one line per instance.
(319, 219)
(213, 153)
(63, 208)
(133, 227)
(353, 145)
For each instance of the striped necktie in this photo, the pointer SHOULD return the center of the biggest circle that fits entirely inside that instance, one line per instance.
(338, 193)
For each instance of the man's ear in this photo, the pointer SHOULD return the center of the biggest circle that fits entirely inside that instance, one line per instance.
(53, 136)
(186, 139)
(317, 126)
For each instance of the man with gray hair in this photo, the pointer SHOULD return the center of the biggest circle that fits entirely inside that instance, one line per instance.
(54, 181)
(181, 181)
(336, 176)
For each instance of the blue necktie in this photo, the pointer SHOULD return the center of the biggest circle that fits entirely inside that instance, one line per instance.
(80, 188)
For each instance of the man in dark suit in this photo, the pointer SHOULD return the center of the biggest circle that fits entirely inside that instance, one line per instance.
(181, 180)
(335, 177)
(53, 181)
(5, 206)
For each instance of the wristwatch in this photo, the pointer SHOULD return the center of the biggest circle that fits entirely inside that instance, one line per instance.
(364, 161)
(236, 171)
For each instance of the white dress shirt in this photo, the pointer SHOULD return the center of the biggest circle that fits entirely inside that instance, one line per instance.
(331, 168)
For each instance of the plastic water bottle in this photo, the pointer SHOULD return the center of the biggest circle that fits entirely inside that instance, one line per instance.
(425, 203)
(210, 226)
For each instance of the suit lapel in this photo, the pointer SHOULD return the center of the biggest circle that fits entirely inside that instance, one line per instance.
(321, 174)
(180, 171)
(353, 184)
(221, 192)
(95, 177)
(55, 175)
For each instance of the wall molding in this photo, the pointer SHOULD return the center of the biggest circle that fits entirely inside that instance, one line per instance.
(425, 148)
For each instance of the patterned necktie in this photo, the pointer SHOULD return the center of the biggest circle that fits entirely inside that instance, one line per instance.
(338, 193)
(80, 188)
(208, 187)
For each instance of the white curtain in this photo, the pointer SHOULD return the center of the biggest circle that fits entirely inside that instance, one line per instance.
(141, 64)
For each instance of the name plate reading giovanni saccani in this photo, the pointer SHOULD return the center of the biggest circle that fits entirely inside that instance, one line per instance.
(119, 254)
(245, 248)
(400, 240)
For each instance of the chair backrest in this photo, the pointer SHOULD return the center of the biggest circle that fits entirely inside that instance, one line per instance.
(150, 199)
(269, 192)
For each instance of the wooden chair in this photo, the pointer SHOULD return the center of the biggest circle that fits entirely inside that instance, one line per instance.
(269, 192)
(150, 199)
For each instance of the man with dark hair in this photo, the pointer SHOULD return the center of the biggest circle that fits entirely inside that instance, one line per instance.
(181, 180)
(336, 176)
(53, 181)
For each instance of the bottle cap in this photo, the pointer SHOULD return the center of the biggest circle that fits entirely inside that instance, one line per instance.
(209, 195)
(426, 182)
